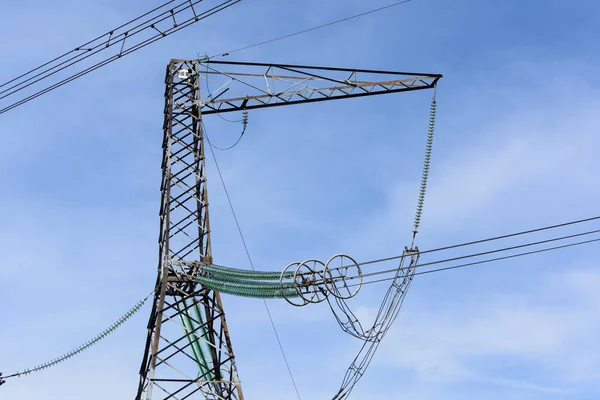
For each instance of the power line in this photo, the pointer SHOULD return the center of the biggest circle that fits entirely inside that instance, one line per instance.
(310, 29)
(556, 239)
(123, 34)
(487, 261)
(480, 241)
(77, 49)
(129, 37)
(250, 261)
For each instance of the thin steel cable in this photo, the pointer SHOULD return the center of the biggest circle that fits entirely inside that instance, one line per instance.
(447, 260)
(185, 5)
(529, 244)
(244, 119)
(488, 260)
(250, 261)
(394, 270)
(488, 240)
(480, 241)
(85, 45)
(310, 29)
(555, 239)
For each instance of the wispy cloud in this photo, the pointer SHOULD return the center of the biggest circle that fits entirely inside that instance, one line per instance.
(473, 342)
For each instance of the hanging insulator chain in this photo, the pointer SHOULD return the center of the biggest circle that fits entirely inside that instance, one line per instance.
(87, 345)
(244, 120)
(426, 165)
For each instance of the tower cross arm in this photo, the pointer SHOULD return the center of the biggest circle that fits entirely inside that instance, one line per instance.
(236, 86)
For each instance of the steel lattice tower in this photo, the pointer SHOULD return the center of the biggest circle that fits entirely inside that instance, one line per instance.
(188, 353)
(187, 330)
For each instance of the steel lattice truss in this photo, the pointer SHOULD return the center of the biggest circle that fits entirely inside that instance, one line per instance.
(188, 351)
(256, 85)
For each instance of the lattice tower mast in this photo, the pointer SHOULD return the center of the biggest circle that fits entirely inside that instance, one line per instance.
(188, 352)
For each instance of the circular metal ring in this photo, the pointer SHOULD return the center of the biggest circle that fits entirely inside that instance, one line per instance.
(340, 272)
(291, 267)
(308, 278)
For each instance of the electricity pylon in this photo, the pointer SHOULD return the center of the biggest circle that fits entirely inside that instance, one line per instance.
(188, 352)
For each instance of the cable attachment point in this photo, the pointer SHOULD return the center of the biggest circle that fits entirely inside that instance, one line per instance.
(412, 251)
(309, 282)
(313, 281)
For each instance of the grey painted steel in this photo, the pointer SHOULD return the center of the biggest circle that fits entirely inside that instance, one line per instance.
(247, 86)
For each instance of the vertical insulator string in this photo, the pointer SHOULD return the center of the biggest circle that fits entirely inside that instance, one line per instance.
(426, 164)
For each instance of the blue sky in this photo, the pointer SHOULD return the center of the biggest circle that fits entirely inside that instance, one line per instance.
(515, 148)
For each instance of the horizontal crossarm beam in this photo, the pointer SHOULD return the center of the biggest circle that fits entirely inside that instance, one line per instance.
(236, 86)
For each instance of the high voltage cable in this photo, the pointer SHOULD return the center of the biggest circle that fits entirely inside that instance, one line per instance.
(487, 261)
(77, 49)
(548, 249)
(520, 246)
(226, 53)
(484, 253)
(124, 32)
(515, 234)
(250, 260)
(480, 241)
(155, 25)
(446, 260)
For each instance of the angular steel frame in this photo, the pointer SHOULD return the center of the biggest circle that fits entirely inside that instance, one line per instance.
(269, 85)
(188, 352)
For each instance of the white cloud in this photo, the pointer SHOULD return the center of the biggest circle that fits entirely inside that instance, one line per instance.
(500, 170)
(465, 342)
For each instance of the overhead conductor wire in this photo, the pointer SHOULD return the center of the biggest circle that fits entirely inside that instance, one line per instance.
(486, 240)
(132, 311)
(463, 257)
(173, 19)
(224, 54)
(554, 248)
(472, 255)
(244, 119)
(116, 37)
(250, 261)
